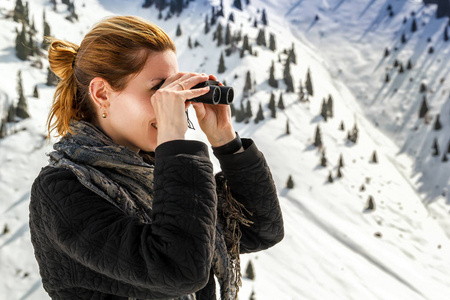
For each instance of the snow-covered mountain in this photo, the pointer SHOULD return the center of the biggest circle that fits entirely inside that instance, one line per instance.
(334, 248)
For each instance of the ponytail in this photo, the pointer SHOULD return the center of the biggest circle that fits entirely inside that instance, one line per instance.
(62, 56)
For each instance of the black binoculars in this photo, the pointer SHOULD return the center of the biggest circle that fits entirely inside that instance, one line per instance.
(218, 94)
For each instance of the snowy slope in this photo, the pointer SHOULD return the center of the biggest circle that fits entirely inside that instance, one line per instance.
(330, 250)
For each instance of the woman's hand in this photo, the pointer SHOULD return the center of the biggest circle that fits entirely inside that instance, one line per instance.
(169, 104)
(215, 121)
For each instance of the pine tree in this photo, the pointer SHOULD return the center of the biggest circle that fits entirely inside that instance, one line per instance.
(387, 78)
(228, 35)
(231, 17)
(3, 128)
(448, 147)
(147, 3)
(330, 178)
(288, 131)
(206, 25)
(341, 161)
(323, 110)
(222, 67)
(318, 137)
(240, 113)
(437, 123)
(323, 159)
(178, 33)
(261, 38)
(264, 17)
(19, 10)
(414, 25)
(409, 66)
(342, 126)
(272, 81)
(219, 35)
(431, 50)
(374, 157)
(47, 32)
(248, 110)
(444, 158)
(290, 183)
(446, 38)
(435, 147)
(288, 77)
(281, 102)
(272, 43)
(11, 117)
(52, 79)
(330, 110)
(403, 38)
(252, 295)
(308, 83)
(249, 272)
(6, 229)
(22, 107)
(370, 204)
(272, 106)
(400, 69)
(292, 56)
(259, 114)
(22, 51)
(339, 173)
(301, 94)
(423, 88)
(237, 4)
(35, 92)
(246, 45)
(423, 108)
(386, 52)
(248, 84)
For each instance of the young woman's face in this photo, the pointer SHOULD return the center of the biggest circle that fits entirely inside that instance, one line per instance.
(131, 118)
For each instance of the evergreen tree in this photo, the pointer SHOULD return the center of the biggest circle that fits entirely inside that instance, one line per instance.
(22, 50)
(341, 161)
(446, 38)
(323, 159)
(246, 45)
(248, 110)
(147, 3)
(403, 38)
(370, 204)
(323, 110)
(352, 135)
(52, 79)
(280, 101)
(330, 110)
(231, 17)
(237, 4)
(339, 173)
(47, 32)
(219, 35)
(423, 108)
(228, 35)
(290, 183)
(3, 132)
(11, 117)
(437, 123)
(264, 17)
(301, 95)
(288, 131)
(423, 88)
(386, 52)
(448, 147)
(308, 83)
(431, 50)
(374, 157)
(273, 110)
(400, 69)
(261, 38)
(252, 295)
(213, 16)
(249, 272)
(409, 66)
(240, 113)
(6, 229)
(342, 126)
(272, 81)
(19, 11)
(22, 107)
(318, 137)
(233, 109)
(272, 43)
(206, 25)
(330, 178)
(413, 25)
(178, 33)
(288, 77)
(292, 56)
(248, 84)
(35, 92)
(444, 158)
(387, 78)
(435, 147)
(222, 67)
(259, 114)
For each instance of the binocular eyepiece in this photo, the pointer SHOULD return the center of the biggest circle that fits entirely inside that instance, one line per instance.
(218, 94)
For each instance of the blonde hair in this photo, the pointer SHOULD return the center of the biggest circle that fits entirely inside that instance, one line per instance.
(114, 49)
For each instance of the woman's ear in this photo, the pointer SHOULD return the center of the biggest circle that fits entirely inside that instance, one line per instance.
(98, 90)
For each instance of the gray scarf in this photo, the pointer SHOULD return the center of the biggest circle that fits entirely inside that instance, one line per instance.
(125, 178)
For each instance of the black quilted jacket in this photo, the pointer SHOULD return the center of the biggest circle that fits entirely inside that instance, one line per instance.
(87, 248)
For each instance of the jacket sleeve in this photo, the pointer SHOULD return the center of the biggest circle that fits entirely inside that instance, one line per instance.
(168, 258)
(251, 183)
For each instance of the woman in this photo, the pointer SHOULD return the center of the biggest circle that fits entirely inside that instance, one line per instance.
(127, 208)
